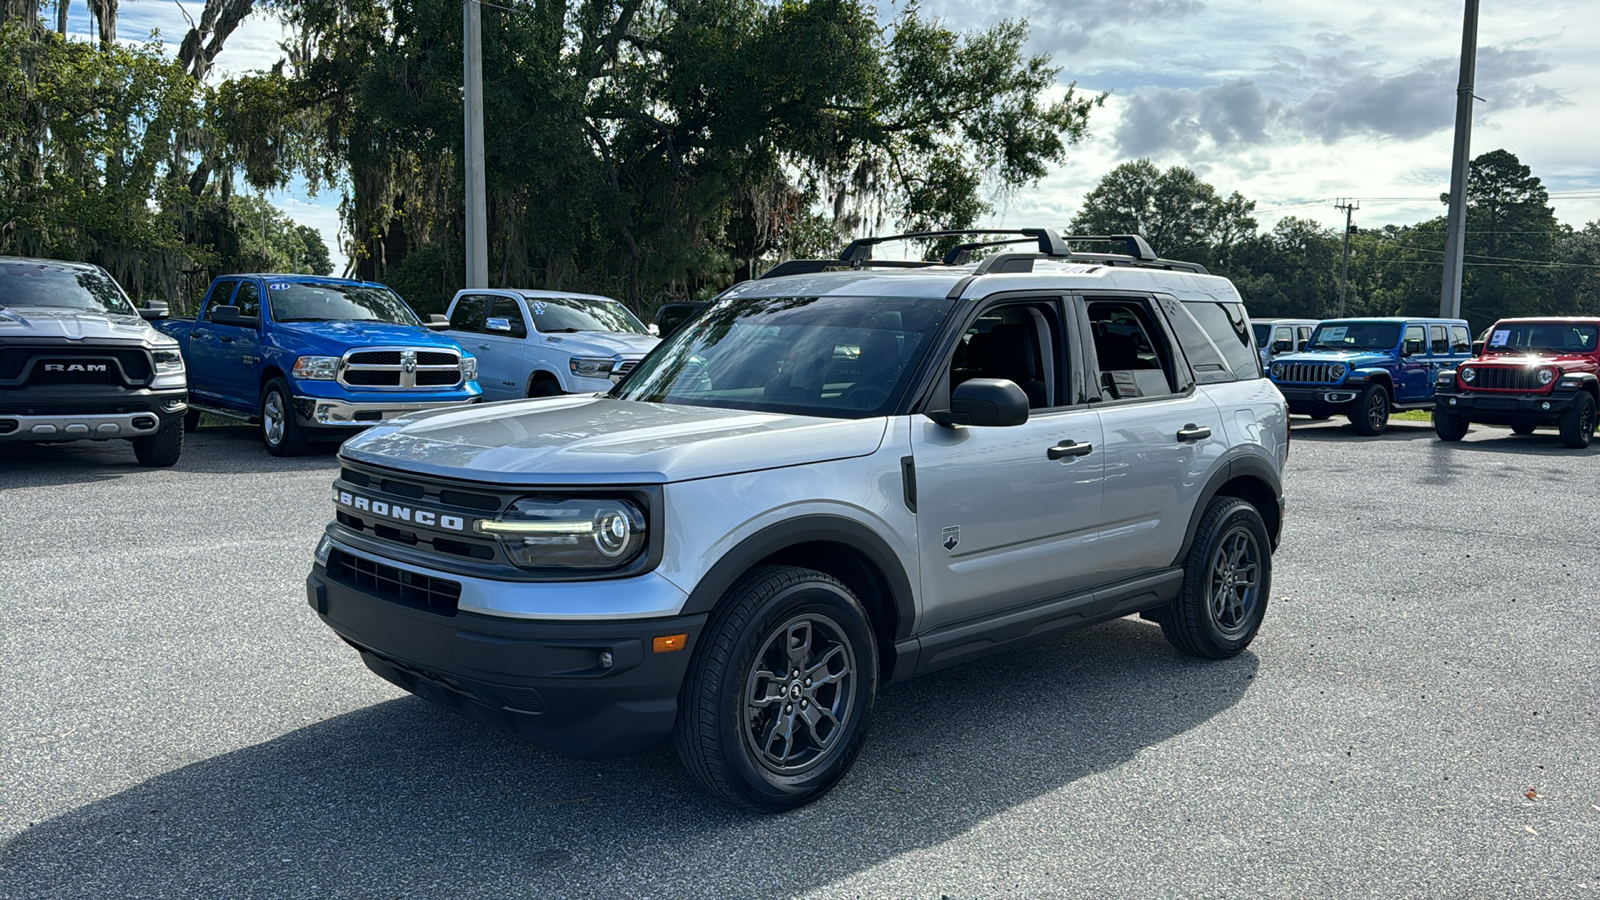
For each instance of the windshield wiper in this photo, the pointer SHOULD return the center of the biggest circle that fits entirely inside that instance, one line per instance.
(308, 319)
(560, 330)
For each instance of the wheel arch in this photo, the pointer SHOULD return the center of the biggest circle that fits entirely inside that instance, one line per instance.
(1250, 479)
(541, 374)
(833, 545)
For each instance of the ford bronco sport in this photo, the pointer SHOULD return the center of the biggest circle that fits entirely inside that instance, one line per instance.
(1527, 373)
(844, 473)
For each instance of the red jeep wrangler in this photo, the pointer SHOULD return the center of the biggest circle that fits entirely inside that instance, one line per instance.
(1527, 373)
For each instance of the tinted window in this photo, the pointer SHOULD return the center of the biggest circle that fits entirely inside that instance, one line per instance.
(1348, 335)
(248, 299)
(61, 287)
(1263, 334)
(469, 312)
(1541, 337)
(1224, 323)
(507, 308)
(553, 315)
(1436, 337)
(1133, 356)
(1019, 343)
(322, 302)
(1460, 340)
(839, 357)
(221, 295)
(1415, 342)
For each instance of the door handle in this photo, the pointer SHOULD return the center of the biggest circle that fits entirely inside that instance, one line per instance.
(225, 339)
(483, 346)
(1193, 432)
(1069, 448)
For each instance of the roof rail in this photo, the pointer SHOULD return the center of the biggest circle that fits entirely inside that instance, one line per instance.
(1138, 248)
(860, 249)
(961, 254)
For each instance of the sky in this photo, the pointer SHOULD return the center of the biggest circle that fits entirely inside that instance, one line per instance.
(1293, 103)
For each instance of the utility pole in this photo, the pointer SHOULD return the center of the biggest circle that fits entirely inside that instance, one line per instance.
(472, 97)
(1349, 206)
(1455, 241)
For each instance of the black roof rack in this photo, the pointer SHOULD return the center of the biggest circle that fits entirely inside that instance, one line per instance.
(1051, 246)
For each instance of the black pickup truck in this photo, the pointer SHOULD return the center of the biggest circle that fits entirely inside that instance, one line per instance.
(78, 362)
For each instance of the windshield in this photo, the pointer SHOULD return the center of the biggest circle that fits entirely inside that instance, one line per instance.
(314, 302)
(61, 287)
(840, 357)
(1355, 336)
(554, 315)
(1262, 332)
(1542, 338)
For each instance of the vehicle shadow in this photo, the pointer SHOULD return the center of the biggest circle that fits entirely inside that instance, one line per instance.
(401, 799)
(1337, 429)
(223, 449)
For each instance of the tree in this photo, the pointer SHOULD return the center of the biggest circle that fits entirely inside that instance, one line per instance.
(1179, 215)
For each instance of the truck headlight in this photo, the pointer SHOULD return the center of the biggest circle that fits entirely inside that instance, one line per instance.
(469, 368)
(317, 368)
(569, 532)
(1469, 374)
(591, 366)
(1546, 376)
(168, 362)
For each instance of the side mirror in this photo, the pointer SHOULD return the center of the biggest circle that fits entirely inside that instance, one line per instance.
(984, 402)
(1411, 348)
(437, 322)
(1283, 346)
(153, 309)
(500, 325)
(229, 315)
(1305, 343)
(1477, 348)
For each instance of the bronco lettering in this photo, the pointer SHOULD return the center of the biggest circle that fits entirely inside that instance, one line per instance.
(403, 513)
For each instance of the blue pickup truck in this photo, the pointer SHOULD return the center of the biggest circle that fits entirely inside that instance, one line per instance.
(1364, 368)
(311, 358)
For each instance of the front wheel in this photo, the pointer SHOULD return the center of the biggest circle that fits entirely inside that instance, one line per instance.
(1449, 426)
(775, 706)
(279, 430)
(1370, 413)
(161, 449)
(545, 387)
(1577, 423)
(1226, 579)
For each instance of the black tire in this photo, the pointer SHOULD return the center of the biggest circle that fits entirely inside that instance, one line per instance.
(161, 449)
(1370, 413)
(545, 387)
(1202, 622)
(281, 434)
(728, 741)
(1577, 423)
(1523, 429)
(1449, 426)
(191, 420)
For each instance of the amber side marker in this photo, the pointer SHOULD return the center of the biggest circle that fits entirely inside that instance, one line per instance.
(668, 643)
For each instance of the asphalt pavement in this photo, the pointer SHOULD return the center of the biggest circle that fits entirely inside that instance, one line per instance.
(1420, 716)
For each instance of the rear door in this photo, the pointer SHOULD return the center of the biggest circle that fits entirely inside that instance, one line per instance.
(1415, 381)
(1000, 523)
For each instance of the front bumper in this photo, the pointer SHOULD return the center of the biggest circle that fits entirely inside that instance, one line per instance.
(85, 413)
(547, 682)
(1318, 398)
(1501, 408)
(324, 412)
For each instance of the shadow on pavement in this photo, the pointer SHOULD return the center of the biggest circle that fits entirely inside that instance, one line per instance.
(402, 800)
(225, 449)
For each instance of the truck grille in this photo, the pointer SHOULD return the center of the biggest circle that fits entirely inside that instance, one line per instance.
(1505, 378)
(418, 591)
(400, 368)
(1309, 373)
(624, 367)
(123, 366)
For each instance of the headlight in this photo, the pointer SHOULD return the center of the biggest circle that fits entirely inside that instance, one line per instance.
(569, 533)
(591, 366)
(168, 362)
(1546, 376)
(469, 368)
(319, 368)
(1277, 370)
(1469, 374)
(1337, 371)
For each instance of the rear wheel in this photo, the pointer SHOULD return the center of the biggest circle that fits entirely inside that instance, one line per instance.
(1370, 413)
(191, 419)
(775, 705)
(1577, 423)
(545, 387)
(161, 449)
(1226, 579)
(279, 430)
(1449, 426)
(1523, 429)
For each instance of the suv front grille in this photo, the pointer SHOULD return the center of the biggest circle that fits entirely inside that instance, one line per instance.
(1505, 378)
(418, 591)
(1309, 373)
(400, 368)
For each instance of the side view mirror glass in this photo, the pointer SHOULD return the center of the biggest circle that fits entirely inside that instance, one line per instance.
(984, 402)
(229, 315)
(1283, 346)
(437, 322)
(1305, 343)
(153, 309)
(1411, 348)
(1477, 348)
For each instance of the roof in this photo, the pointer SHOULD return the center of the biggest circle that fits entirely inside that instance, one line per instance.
(301, 278)
(65, 264)
(1397, 320)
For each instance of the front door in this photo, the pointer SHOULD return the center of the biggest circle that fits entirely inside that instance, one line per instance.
(1416, 367)
(238, 349)
(999, 522)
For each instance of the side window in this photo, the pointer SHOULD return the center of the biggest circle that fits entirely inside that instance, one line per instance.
(1133, 356)
(221, 295)
(508, 309)
(248, 299)
(1303, 336)
(1460, 339)
(469, 313)
(1283, 334)
(1414, 341)
(1436, 337)
(1229, 329)
(1021, 344)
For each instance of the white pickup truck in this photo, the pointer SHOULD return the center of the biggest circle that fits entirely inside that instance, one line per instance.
(543, 343)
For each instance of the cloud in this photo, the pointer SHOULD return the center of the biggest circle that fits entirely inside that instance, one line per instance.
(1232, 113)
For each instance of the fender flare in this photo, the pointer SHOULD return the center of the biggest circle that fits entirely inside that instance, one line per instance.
(1239, 467)
(805, 530)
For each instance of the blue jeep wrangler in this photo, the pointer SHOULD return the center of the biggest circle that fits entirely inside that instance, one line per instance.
(1366, 368)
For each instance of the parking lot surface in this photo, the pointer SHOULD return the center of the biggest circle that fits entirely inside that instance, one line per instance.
(1420, 716)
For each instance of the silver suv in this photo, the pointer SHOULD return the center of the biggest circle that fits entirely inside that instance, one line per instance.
(842, 474)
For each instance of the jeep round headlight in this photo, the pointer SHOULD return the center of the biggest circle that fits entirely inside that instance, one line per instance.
(1277, 370)
(569, 532)
(1469, 374)
(1546, 376)
(1337, 371)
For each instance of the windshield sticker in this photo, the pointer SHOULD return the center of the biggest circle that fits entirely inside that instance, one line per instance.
(1335, 333)
(538, 308)
(280, 286)
(1499, 338)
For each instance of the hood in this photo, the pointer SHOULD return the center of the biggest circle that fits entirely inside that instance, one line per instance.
(603, 343)
(1354, 359)
(337, 337)
(75, 325)
(1519, 360)
(599, 440)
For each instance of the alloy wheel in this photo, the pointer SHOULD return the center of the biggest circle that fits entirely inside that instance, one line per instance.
(798, 696)
(1378, 410)
(272, 418)
(1235, 581)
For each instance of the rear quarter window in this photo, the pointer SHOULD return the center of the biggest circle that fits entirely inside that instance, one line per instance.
(1228, 328)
